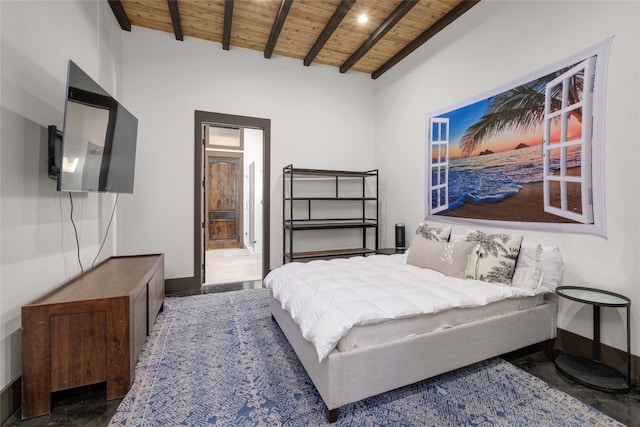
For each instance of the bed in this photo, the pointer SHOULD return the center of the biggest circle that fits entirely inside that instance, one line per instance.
(349, 325)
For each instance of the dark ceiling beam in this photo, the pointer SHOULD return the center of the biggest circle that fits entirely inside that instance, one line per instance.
(331, 26)
(443, 22)
(402, 9)
(228, 18)
(118, 10)
(277, 27)
(175, 19)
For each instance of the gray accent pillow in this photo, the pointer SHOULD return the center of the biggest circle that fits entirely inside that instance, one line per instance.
(494, 256)
(448, 258)
(439, 234)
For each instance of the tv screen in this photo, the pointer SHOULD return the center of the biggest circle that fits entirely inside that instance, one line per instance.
(98, 139)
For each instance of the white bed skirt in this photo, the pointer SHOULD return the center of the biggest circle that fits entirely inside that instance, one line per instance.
(348, 377)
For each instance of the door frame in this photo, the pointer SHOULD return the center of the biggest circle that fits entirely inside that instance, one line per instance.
(207, 191)
(198, 235)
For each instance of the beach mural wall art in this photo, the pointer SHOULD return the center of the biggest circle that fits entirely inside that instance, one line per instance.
(528, 155)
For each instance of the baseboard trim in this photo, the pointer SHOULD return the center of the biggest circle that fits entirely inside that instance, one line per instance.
(181, 284)
(580, 346)
(10, 399)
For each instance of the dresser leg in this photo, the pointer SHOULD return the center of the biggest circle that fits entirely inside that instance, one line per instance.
(36, 363)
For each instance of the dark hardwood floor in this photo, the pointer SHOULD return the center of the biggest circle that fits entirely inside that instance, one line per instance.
(87, 407)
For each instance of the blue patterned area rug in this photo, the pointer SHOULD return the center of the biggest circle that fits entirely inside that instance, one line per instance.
(220, 359)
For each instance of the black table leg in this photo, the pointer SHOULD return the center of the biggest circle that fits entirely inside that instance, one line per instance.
(596, 332)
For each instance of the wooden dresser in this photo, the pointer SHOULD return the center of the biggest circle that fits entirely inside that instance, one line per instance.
(90, 330)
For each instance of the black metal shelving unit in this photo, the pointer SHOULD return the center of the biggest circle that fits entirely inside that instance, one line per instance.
(365, 219)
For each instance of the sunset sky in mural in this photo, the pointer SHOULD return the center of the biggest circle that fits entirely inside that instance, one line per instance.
(461, 119)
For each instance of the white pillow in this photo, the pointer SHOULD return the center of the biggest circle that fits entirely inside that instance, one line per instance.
(546, 260)
(528, 274)
(552, 267)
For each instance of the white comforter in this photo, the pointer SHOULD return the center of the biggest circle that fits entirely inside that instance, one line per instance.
(327, 298)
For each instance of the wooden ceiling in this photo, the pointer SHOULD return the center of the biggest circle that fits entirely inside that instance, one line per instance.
(314, 31)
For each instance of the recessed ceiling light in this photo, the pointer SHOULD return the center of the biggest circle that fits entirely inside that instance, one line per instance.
(363, 19)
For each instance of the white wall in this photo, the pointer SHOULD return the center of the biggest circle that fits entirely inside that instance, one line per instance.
(496, 42)
(319, 119)
(38, 249)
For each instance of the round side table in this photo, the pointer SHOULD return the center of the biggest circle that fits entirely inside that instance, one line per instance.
(592, 372)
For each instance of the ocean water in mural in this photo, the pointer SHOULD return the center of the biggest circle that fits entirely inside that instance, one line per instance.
(492, 178)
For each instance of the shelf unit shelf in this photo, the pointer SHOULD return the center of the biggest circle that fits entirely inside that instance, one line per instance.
(328, 199)
(362, 209)
(329, 253)
(327, 224)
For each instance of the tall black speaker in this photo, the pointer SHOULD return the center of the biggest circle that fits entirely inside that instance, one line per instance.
(400, 236)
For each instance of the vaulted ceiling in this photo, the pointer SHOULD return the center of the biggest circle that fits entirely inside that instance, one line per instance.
(314, 31)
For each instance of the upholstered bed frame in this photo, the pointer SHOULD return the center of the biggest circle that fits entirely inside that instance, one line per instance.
(343, 378)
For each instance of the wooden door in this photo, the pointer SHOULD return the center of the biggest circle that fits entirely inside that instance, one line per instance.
(224, 201)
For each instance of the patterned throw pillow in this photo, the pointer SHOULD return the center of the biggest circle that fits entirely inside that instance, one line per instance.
(448, 258)
(493, 259)
(439, 234)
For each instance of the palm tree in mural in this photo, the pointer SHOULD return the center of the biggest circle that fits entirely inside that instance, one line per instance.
(521, 108)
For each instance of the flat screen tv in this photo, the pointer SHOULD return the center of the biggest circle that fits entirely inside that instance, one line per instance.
(98, 150)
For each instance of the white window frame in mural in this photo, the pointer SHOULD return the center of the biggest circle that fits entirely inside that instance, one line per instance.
(584, 212)
(439, 164)
(564, 142)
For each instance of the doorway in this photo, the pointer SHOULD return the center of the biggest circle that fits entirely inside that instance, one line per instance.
(231, 234)
(232, 249)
